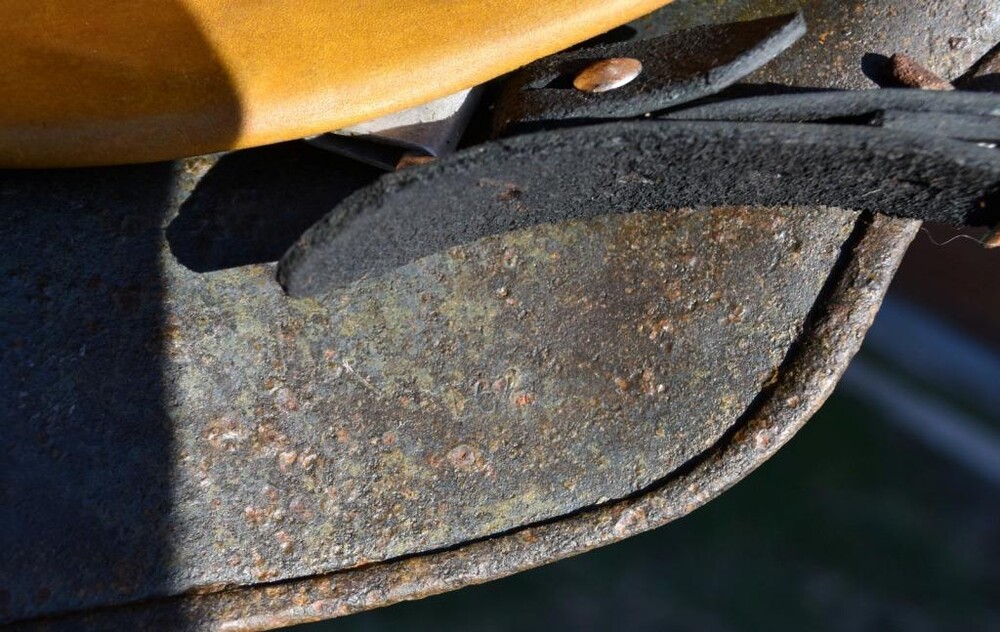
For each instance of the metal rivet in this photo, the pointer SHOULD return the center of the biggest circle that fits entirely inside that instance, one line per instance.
(908, 72)
(607, 74)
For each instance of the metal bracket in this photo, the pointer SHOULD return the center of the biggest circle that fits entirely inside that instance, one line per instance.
(431, 130)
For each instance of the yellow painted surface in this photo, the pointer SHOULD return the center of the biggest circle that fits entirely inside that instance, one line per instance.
(85, 82)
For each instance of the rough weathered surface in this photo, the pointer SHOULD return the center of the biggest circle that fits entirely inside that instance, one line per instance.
(848, 44)
(830, 338)
(203, 430)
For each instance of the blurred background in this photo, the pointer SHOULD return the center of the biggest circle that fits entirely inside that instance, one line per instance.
(881, 514)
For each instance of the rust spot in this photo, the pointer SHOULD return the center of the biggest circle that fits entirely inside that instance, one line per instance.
(287, 460)
(299, 506)
(463, 457)
(285, 399)
(253, 515)
(528, 535)
(267, 435)
(510, 193)
(524, 399)
(224, 433)
(271, 493)
(510, 259)
(912, 74)
(308, 461)
(631, 520)
(761, 440)
(413, 160)
(656, 327)
(735, 315)
(648, 382)
(622, 384)
(284, 542)
(390, 437)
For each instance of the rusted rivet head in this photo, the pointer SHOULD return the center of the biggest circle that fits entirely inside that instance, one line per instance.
(908, 72)
(607, 74)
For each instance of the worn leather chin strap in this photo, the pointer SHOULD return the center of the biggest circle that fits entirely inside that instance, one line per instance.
(970, 116)
(648, 165)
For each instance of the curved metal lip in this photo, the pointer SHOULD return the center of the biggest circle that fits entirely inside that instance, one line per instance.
(832, 336)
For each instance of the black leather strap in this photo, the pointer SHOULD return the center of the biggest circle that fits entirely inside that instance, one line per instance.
(647, 165)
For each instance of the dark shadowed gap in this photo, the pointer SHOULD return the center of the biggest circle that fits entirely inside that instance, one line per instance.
(252, 205)
(86, 438)
(877, 68)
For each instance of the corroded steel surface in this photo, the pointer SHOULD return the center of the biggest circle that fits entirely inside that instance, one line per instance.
(849, 43)
(831, 336)
(487, 387)
(205, 431)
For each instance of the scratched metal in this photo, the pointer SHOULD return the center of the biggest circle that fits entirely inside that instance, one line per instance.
(202, 430)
